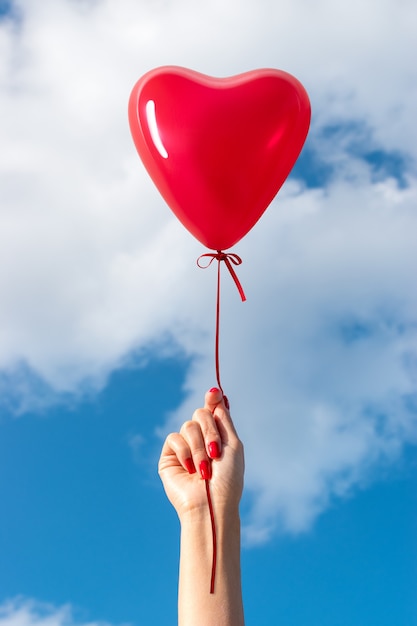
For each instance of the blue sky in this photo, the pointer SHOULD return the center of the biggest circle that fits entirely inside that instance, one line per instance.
(106, 324)
(87, 523)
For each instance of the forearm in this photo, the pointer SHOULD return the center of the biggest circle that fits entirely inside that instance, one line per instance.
(196, 605)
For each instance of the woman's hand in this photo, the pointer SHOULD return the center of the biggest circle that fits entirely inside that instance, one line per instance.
(207, 447)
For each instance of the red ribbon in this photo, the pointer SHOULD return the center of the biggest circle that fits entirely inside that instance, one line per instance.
(229, 259)
(214, 537)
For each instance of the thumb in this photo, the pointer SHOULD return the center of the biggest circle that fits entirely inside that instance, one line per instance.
(217, 403)
(214, 399)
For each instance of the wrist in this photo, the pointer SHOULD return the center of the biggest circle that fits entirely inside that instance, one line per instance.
(196, 526)
(199, 516)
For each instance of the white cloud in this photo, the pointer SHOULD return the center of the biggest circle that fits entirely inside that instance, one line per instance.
(93, 265)
(26, 612)
(321, 368)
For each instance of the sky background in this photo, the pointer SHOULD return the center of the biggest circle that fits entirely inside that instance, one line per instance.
(106, 324)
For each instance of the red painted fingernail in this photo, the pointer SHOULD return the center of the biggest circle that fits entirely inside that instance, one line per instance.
(205, 470)
(214, 390)
(214, 450)
(189, 464)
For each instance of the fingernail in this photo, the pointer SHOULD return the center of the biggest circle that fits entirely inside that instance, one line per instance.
(189, 464)
(214, 450)
(205, 470)
(214, 390)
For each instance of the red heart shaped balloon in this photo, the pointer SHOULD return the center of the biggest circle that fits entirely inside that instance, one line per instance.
(218, 149)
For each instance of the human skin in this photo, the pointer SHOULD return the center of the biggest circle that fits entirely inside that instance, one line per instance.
(207, 447)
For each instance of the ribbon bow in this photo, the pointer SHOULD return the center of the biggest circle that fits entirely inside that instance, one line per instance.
(228, 259)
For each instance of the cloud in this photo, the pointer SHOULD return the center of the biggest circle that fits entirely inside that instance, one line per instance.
(321, 368)
(26, 612)
(320, 362)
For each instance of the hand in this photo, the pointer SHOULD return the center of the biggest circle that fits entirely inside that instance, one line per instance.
(207, 447)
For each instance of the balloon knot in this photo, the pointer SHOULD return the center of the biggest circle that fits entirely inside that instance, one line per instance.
(230, 259)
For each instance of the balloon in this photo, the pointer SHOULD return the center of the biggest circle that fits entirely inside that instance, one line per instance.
(218, 149)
